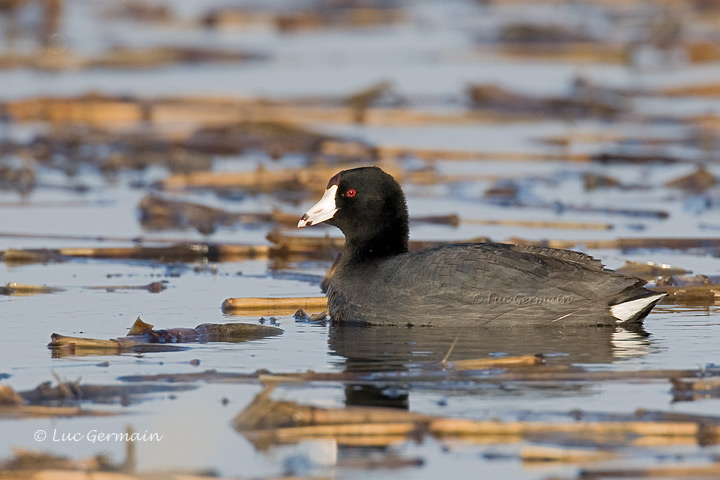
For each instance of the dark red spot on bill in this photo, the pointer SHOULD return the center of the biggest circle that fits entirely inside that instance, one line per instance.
(334, 181)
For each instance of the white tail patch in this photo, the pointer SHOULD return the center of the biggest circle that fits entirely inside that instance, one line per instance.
(627, 310)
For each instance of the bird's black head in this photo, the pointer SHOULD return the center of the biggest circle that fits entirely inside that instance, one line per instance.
(369, 207)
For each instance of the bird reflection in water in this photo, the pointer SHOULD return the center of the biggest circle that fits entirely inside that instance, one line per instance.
(397, 349)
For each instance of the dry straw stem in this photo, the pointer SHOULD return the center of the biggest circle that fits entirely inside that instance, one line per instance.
(370, 421)
(650, 270)
(481, 363)
(261, 179)
(584, 52)
(391, 152)
(698, 90)
(57, 340)
(34, 411)
(540, 224)
(677, 471)
(179, 252)
(207, 110)
(461, 427)
(191, 250)
(93, 238)
(626, 243)
(690, 293)
(272, 306)
(537, 453)
(22, 289)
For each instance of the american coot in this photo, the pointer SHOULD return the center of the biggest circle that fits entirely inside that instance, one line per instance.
(378, 281)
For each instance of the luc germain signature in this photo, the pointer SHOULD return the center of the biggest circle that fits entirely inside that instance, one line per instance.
(495, 299)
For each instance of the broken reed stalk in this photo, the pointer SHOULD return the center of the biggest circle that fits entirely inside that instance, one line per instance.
(262, 180)
(180, 252)
(459, 427)
(295, 434)
(443, 362)
(690, 293)
(194, 250)
(481, 363)
(540, 224)
(626, 243)
(286, 421)
(206, 110)
(93, 238)
(277, 306)
(451, 428)
(291, 244)
(22, 289)
(537, 453)
(34, 411)
(709, 471)
(388, 152)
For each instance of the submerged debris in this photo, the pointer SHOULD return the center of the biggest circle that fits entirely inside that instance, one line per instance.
(593, 181)
(142, 337)
(685, 280)
(706, 294)
(584, 99)
(697, 182)
(74, 393)
(336, 15)
(360, 101)
(678, 470)
(152, 287)
(317, 318)
(31, 464)
(14, 405)
(153, 57)
(158, 213)
(532, 33)
(689, 389)
(275, 138)
(8, 397)
(650, 271)
(524, 369)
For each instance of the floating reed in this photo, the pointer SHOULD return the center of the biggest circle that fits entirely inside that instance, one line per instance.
(272, 306)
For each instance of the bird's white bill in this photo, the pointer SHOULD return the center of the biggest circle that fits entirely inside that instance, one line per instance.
(322, 210)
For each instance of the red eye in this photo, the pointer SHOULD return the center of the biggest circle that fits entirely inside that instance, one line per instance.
(351, 193)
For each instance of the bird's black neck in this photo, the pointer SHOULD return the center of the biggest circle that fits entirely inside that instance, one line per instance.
(379, 246)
